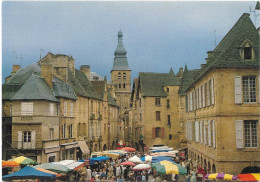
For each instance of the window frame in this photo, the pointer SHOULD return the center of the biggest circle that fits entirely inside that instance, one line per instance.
(247, 89)
(27, 136)
(158, 115)
(158, 132)
(158, 101)
(248, 130)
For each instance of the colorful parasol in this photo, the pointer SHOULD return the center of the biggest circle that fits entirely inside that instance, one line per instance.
(127, 163)
(24, 161)
(141, 167)
(135, 159)
(128, 149)
(9, 164)
(58, 168)
(249, 177)
(147, 158)
(221, 176)
(168, 167)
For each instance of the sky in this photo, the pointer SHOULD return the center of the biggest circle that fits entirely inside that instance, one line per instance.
(157, 35)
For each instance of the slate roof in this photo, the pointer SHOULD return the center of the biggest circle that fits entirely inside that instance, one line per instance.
(151, 84)
(26, 84)
(62, 89)
(227, 52)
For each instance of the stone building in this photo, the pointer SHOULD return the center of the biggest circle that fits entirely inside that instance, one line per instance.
(121, 84)
(155, 110)
(222, 103)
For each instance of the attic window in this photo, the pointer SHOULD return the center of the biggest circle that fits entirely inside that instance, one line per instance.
(247, 52)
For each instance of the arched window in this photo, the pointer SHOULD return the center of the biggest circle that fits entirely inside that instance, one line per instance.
(119, 76)
(51, 131)
(124, 85)
(124, 76)
(119, 86)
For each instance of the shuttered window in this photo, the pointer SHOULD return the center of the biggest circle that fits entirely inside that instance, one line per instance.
(205, 132)
(158, 132)
(188, 102)
(238, 90)
(27, 108)
(158, 115)
(239, 134)
(249, 89)
(201, 131)
(191, 100)
(199, 97)
(71, 131)
(71, 109)
(203, 96)
(212, 92)
(250, 128)
(209, 133)
(213, 134)
(65, 109)
(20, 139)
(194, 101)
(64, 131)
(197, 131)
(33, 143)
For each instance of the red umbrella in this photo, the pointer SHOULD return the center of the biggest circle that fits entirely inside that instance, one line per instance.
(127, 163)
(128, 149)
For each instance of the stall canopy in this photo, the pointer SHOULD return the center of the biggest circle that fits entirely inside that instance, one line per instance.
(161, 158)
(84, 147)
(28, 173)
(24, 161)
(54, 167)
(97, 159)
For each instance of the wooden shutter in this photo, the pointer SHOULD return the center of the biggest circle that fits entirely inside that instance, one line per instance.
(205, 132)
(33, 139)
(212, 92)
(208, 94)
(153, 132)
(203, 95)
(213, 134)
(194, 100)
(199, 97)
(71, 109)
(201, 132)
(209, 133)
(186, 129)
(20, 139)
(239, 134)
(65, 109)
(238, 90)
(191, 107)
(197, 131)
(188, 100)
(162, 132)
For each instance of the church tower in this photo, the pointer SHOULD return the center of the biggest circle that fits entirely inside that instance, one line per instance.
(121, 76)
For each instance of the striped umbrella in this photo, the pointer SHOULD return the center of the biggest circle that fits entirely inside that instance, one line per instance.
(249, 177)
(221, 176)
(24, 161)
(141, 167)
(168, 167)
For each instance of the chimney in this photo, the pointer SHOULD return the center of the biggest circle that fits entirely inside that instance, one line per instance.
(86, 70)
(46, 73)
(15, 69)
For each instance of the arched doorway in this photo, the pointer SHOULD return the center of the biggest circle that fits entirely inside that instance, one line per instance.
(105, 147)
(251, 169)
(113, 145)
(209, 168)
(213, 168)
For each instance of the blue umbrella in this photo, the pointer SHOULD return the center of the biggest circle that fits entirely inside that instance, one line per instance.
(162, 158)
(29, 173)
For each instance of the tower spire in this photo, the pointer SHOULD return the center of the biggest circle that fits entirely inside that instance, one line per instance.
(120, 50)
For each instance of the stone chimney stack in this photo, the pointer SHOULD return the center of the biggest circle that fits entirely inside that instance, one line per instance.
(15, 69)
(86, 70)
(46, 73)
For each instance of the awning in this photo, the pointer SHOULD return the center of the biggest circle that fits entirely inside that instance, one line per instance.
(52, 149)
(70, 145)
(84, 147)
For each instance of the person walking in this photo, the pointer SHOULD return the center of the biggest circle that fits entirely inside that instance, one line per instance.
(193, 176)
(88, 175)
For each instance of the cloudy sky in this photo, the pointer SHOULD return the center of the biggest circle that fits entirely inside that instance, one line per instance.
(157, 35)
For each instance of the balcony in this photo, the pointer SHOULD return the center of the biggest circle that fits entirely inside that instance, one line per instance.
(26, 145)
(92, 116)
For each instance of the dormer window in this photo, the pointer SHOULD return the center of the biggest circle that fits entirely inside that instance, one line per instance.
(247, 51)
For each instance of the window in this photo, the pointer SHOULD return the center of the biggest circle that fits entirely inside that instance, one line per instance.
(124, 85)
(140, 102)
(249, 89)
(168, 89)
(52, 109)
(91, 107)
(170, 137)
(27, 136)
(247, 52)
(65, 109)
(250, 128)
(71, 131)
(71, 109)
(27, 108)
(169, 119)
(119, 86)
(158, 115)
(157, 101)
(51, 132)
(168, 103)
(124, 76)
(157, 132)
(64, 131)
(119, 76)
(140, 116)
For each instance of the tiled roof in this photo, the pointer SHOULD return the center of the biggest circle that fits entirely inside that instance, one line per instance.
(120, 63)
(152, 83)
(227, 52)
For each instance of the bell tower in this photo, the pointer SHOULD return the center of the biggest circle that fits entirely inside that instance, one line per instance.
(121, 75)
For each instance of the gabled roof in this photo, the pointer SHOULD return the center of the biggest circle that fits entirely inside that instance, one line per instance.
(227, 52)
(152, 84)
